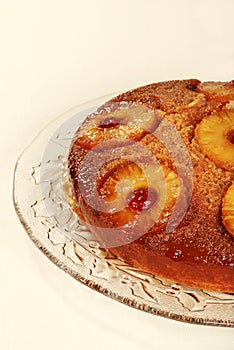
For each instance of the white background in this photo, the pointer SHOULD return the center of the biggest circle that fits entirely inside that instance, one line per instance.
(56, 54)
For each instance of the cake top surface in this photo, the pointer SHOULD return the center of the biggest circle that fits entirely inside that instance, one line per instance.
(155, 167)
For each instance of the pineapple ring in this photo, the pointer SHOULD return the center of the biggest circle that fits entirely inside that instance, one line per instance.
(228, 210)
(219, 91)
(214, 136)
(121, 122)
(160, 184)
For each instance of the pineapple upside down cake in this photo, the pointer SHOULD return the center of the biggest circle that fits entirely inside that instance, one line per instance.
(152, 175)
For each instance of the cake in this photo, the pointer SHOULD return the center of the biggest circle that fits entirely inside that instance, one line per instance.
(152, 176)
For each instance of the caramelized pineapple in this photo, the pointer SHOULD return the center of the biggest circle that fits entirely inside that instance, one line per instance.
(228, 210)
(121, 122)
(218, 91)
(150, 191)
(215, 135)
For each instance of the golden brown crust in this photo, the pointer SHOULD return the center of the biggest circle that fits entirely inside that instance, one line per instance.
(198, 251)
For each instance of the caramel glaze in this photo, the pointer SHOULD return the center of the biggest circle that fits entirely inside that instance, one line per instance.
(199, 252)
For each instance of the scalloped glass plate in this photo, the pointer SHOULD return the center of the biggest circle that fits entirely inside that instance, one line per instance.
(40, 197)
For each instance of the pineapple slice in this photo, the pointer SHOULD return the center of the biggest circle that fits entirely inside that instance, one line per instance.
(120, 122)
(228, 210)
(150, 191)
(218, 91)
(215, 136)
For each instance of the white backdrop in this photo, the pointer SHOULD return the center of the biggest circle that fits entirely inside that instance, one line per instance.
(56, 54)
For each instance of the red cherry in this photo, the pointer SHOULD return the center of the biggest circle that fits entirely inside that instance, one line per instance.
(111, 122)
(142, 199)
(230, 136)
